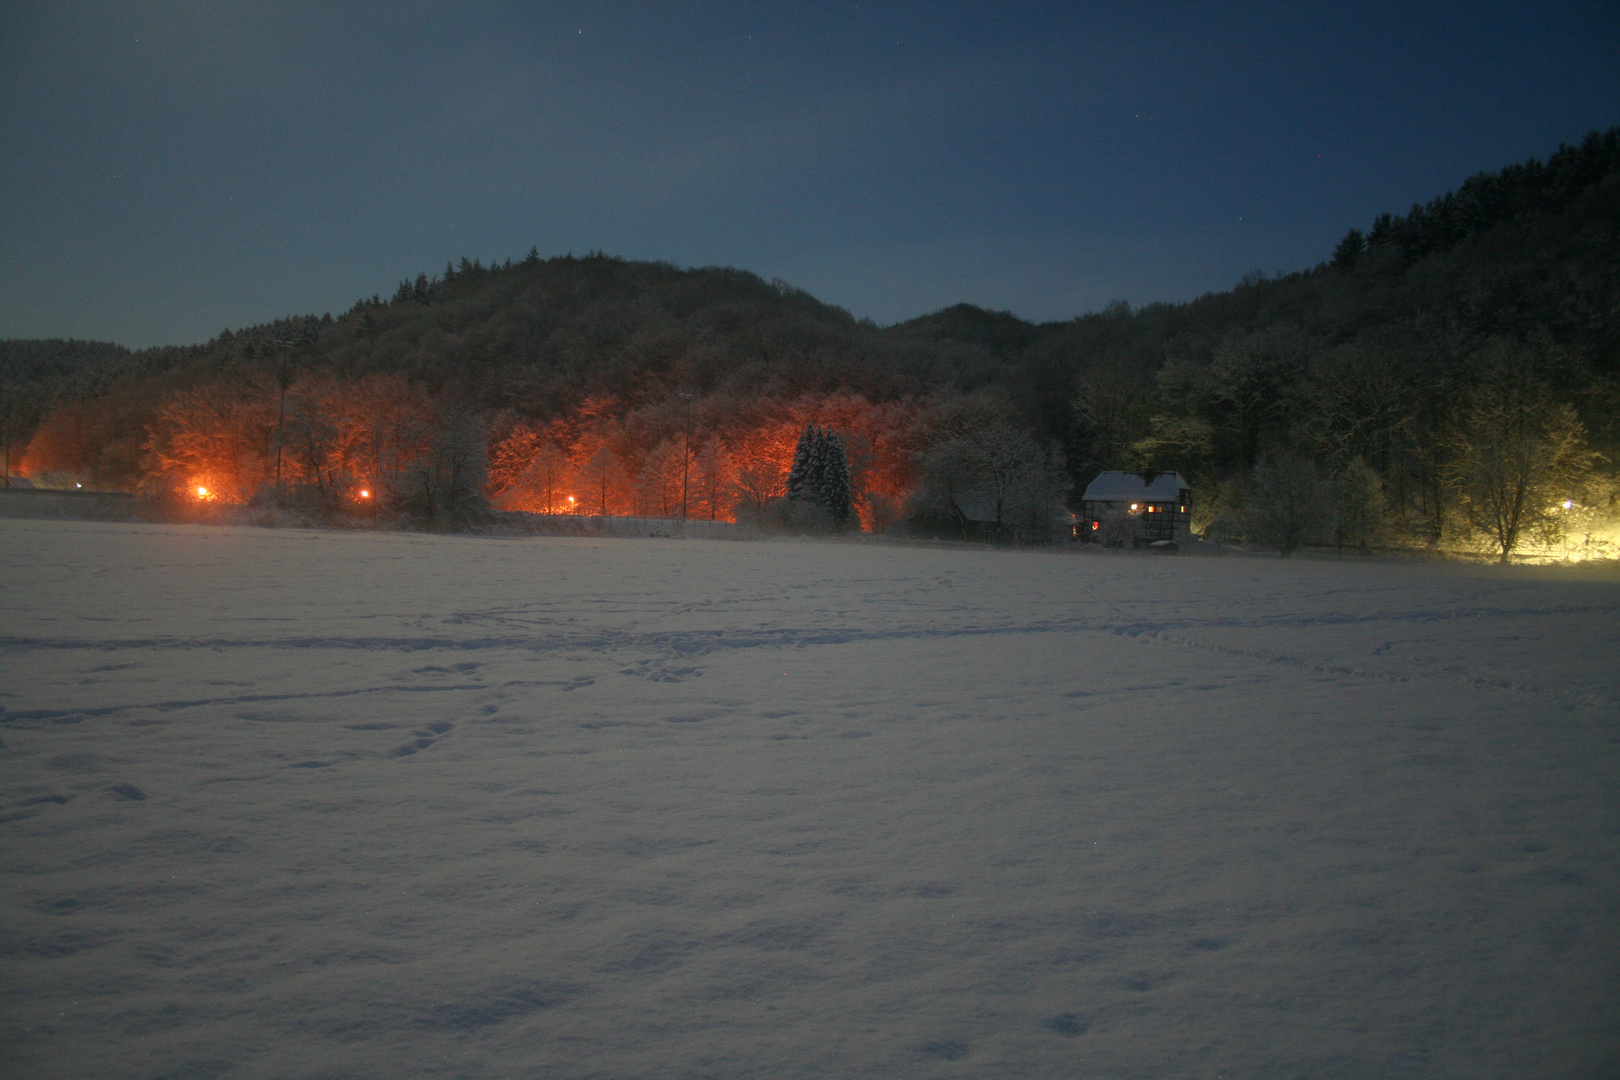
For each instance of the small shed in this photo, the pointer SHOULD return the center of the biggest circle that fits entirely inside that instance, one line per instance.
(1159, 502)
(979, 521)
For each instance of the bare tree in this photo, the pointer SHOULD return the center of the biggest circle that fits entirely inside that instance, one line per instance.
(1111, 406)
(756, 486)
(1285, 507)
(392, 420)
(603, 482)
(1119, 527)
(661, 483)
(1519, 457)
(512, 455)
(998, 472)
(1356, 497)
(211, 439)
(711, 477)
(19, 415)
(542, 487)
(447, 485)
(1256, 382)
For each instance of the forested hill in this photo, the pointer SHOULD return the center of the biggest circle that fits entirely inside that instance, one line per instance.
(534, 339)
(1367, 356)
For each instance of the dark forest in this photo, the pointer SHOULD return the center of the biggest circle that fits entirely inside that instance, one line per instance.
(1444, 379)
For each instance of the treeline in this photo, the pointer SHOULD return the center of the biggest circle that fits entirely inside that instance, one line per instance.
(1485, 201)
(591, 377)
(1422, 370)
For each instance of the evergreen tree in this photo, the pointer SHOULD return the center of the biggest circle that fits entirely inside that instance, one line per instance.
(820, 474)
(834, 488)
(799, 476)
(1349, 249)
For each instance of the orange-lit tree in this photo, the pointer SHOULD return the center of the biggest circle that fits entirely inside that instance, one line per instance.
(604, 484)
(444, 488)
(392, 432)
(659, 481)
(214, 438)
(311, 434)
(711, 479)
(544, 485)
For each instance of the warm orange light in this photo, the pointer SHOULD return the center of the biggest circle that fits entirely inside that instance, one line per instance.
(364, 494)
(202, 492)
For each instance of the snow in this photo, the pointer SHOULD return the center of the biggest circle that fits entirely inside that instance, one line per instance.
(1130, 487)
(322, 804)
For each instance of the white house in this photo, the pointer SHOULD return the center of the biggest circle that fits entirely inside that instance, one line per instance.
(1160, 502)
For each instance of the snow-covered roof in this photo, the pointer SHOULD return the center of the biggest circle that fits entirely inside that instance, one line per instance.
(1130, 487)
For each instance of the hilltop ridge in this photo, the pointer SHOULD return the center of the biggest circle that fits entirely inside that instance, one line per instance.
(1366, 356)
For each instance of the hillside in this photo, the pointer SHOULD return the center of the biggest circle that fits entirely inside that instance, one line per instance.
(1372, 358)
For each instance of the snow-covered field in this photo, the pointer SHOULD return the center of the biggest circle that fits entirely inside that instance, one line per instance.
(314, 804)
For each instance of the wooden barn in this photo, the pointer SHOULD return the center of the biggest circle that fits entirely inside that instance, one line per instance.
(1158, 504)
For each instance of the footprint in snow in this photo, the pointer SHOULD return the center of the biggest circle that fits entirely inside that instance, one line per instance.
(425, 737)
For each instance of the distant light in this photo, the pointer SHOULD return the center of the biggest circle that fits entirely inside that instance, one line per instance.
(1569, 504)
(1133, 506)
(364, 494)
(202, 492)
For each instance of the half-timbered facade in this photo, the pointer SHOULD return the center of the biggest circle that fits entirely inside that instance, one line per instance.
(1160, 505)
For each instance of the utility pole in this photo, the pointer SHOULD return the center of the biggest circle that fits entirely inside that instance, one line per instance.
(17, 408)
(686, 458)
(283, 379)
(6, 399)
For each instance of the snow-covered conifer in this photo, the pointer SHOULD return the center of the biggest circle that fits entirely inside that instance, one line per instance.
(799, 477)
(834, 490)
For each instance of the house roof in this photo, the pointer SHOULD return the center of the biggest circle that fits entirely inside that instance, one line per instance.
(1131, 487)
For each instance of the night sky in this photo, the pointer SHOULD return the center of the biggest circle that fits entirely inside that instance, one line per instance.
(170, 170)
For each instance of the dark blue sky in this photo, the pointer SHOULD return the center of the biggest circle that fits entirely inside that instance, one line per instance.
(168, 170)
